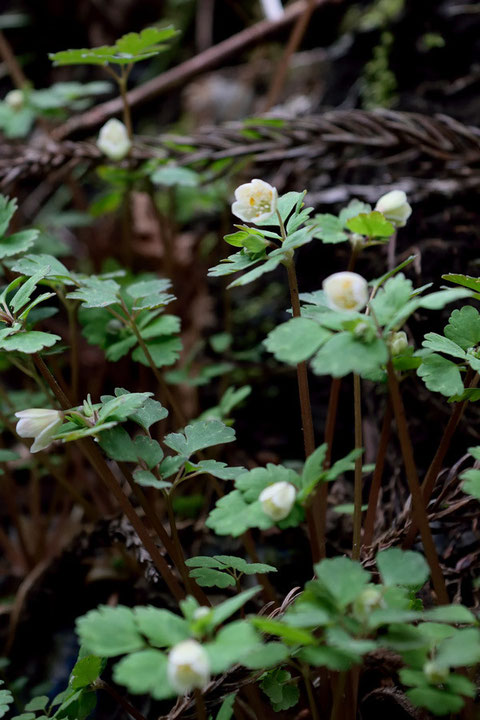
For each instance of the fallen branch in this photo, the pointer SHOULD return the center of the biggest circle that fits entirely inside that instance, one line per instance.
(184, 72)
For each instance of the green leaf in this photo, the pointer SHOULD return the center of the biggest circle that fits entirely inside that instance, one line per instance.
(121, 407)
(231, 264)
(96, 292)
(217, 469)
(464, 327)
(282, 693)
(17, 243)
(296, 340)
(150, 294)
(147, 479)
(343, 579)
(208, 577)
(372, 225)
(31, 341)
(471, 484)
(267, 266)
(439, 702)
(402, 567)
(329, 229)
(148, 450)
(6, 697)
(109, 631)
(238, 563)
(450, 614)
(86, 671)
(161, 627)
(290, 635)
(30, 264)
(232, 643)
(151, 412)
(440, 375)
(266, 656)
(222, 612)
(463, 648)
(438, 343)
(199, 436)
(144, 672)
(163, 351)
(226, 708)
(344, 353)
(170, 175)
(464, 280)
(7, 211)
(130, 48)
(118, 445)
(313, 470)
(230, 515)
(37, 703)
(329, 657)
(391, 299)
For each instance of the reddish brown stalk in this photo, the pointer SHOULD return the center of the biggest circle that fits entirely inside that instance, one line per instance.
(418, 506)
(293, 44)
(97, 461)
(436, 464)
(377, 477)
(358, 483)
(123, 702)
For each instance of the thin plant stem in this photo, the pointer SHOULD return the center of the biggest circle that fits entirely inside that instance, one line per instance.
(338, 696)
(436, 464)
(98, 463)
(200, 705)
(189, 583)
(122, 81)
(308, 687)
(377, 477)
(357, 512)
(418, 506)
(72, 327)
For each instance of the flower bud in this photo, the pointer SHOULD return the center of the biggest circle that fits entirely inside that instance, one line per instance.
(113, 140)
(277, 500)
(394, 207)
(370, 599)
(188, 667)
(398, 342)
(255, 201)
(41, 424)
(15, 99)
(201, 612)
(436, 674)
(346, 291)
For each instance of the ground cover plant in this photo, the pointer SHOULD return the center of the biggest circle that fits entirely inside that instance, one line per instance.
(181, 572)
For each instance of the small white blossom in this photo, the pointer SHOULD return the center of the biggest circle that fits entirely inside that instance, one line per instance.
(277, 500)
(113, 140)
(255, 201)
(394, 206)
(436, 674)
(39, 423)
(201, 612)
(346, 291)
(368, 600)
(15, 99)
(398, 342)
(188, 667)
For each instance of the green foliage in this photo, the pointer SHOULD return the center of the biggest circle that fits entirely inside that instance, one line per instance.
(199, 436)
(223, 570)
(402, 567)
(19, 242)
(128, 49)
(6, 699)
(280, 690)
(331, 229)
(371, 225)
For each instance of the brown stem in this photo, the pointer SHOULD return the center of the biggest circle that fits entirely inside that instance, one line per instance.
(357, 513)
(122, 85)
(123, 702)
(418, 506)
(72, 327)
(377, 477)
(14, 69)
(200, 705)
(95, 458)
(308, 687)
(338, 695)
(436, 464)
(293, 44)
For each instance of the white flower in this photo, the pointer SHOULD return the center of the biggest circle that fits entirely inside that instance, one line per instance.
(436, 674)
(255, 201)
(188, 667)
(39, 423)
(398, 342)
(346, 291)
(394, 207)
(15, 99)
(201, 612)
(113, 140)
(277, 500)
(368, 600)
